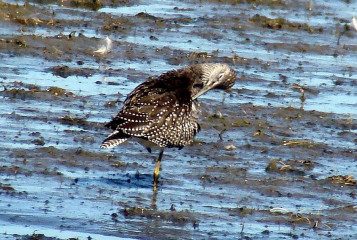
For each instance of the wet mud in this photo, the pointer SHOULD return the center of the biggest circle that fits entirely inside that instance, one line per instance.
(276, 157)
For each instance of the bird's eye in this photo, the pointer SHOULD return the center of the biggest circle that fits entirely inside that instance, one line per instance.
(220, 76)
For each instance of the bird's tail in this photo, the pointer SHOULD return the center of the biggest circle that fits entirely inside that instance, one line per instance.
(114, 139)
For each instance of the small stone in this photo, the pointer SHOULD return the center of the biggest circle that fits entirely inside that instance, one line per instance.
(230, 147)
(218, 115)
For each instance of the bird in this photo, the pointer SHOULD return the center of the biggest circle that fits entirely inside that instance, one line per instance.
(163, 111)
(106, 46)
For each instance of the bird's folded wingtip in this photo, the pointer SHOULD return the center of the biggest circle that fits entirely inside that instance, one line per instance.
(110, 143)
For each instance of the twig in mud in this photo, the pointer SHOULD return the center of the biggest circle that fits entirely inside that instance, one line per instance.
(315, 225)
(72, 34)
(299, 143)
(302, 96)
(284, 165)
(50, 22)
(346, 28)
(299, 217)
(279, 210)
(221, 134)
(330, 228)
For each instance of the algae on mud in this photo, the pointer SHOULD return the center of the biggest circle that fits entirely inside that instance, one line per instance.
(291, 119)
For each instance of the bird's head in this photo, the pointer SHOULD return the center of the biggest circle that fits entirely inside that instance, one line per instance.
(214, 75)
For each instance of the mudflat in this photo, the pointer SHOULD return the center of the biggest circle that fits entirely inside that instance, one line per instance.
(276, 157)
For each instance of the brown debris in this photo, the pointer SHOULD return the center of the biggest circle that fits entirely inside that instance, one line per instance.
(345, 180)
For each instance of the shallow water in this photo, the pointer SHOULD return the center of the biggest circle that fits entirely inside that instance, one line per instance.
(291, 118)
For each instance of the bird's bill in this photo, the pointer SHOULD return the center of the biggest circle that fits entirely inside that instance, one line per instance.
(202, 91)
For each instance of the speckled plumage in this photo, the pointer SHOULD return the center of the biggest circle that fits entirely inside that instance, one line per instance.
(163, 110)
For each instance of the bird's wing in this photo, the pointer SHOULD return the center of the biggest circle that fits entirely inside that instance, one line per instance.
(161, 116)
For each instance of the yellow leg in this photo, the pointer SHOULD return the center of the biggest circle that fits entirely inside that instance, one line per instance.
(157, 170)
(156, 174)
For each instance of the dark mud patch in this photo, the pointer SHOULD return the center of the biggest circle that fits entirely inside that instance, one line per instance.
(7, 188)
(176, 217)
(282, 24)
(36, 93)
(65, 71)
(73, 121)
(295, 167)
(23, 14)
(285, 217)
(304, 47)
(37, 237)
(89, 4)
(271, 3)
(38, 161)
(82, 123)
